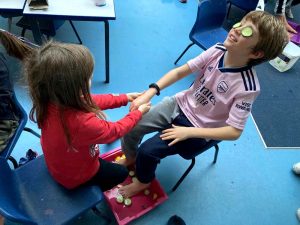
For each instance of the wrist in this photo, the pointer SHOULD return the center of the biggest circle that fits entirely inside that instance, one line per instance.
(155, 87)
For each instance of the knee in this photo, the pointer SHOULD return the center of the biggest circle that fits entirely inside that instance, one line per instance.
(147, 151)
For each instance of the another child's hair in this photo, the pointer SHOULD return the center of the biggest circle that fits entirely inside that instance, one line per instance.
(56, 73)
(273, 36)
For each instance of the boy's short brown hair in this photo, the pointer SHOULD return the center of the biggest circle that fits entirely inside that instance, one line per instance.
(273, 36)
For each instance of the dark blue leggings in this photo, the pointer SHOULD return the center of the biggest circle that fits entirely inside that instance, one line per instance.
(154, 149)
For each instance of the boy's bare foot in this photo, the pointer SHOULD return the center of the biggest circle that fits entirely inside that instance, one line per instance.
(126, 162)
(133, 188)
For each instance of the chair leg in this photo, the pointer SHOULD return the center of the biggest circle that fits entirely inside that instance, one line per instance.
(14, 162)
(216, 154)
(23, 32)
(74, 29)
(9, 20)
(184, 175)
(187, 48)
(229, 7)
(101, 214)
(32, 131)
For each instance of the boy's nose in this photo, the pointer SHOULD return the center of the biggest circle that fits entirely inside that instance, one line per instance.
(238, 30)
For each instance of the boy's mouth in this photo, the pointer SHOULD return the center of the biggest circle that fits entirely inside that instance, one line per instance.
(232, 37)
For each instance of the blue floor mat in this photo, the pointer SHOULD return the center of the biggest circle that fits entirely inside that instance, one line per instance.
(276, 110)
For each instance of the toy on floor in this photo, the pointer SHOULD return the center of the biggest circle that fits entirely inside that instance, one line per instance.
(128, 209)
(295, 37)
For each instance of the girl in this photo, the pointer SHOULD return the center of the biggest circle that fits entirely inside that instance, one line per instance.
(70, 118)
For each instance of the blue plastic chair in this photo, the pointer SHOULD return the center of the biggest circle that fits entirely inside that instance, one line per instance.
(188, 156)
(208, 29)
(246, 5)
(29, 195)
(22, 115)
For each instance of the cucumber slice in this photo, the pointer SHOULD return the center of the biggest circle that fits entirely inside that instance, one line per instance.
(247, 32)
(127, 201)
(131, 173)
(236, 25)
(119, 199)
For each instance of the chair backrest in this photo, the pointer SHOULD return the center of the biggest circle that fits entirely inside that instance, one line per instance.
(247, 5)
(31, 196)
(211, 14)
(11, 206)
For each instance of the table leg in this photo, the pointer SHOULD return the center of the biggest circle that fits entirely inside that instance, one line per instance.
(37, 35)
(106, 28)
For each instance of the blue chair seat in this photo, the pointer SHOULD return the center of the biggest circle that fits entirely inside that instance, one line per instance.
(29, 195)
(209, 38)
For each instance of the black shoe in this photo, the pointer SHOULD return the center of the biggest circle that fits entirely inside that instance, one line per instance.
(175, 220)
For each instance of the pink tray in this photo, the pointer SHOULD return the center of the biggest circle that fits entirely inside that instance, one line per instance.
(141, 203)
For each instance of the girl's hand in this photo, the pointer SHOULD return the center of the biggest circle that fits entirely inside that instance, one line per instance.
(136, 103)
(176, 134)
(144, 108)
(133, 95)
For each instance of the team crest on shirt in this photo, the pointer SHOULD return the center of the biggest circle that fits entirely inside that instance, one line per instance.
(222, 87)
(210, 68)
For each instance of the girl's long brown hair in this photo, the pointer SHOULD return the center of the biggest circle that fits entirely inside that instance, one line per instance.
(56, 73)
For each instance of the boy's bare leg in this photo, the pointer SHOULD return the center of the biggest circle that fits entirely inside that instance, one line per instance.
(126, 162)
(133, 188)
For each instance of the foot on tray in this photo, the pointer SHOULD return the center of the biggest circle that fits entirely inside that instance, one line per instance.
(175, 220)
(133, 188)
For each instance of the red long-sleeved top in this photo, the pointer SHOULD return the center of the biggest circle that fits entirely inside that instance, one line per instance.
(72, 165)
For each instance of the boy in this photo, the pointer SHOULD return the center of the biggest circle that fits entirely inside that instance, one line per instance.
(215, 107)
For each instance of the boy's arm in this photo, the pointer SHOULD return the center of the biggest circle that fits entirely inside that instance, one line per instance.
(169, 78)
(178, 133)
(196, 64)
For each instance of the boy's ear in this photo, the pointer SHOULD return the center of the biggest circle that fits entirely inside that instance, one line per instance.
(257, 55)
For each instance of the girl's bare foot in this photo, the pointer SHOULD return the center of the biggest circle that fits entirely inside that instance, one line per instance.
(133, 188)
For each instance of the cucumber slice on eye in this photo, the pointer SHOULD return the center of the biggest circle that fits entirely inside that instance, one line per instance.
(247, 32)
(236, 25)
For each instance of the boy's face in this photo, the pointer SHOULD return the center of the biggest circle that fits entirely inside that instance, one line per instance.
(241, 40)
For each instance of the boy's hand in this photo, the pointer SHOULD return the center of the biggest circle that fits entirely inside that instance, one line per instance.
(133, 95)
(140, 100)
(144, 108)
(176, 134)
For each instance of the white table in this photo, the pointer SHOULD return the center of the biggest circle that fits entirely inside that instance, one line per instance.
(82, 10)
(12, 5)
(11, 8)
